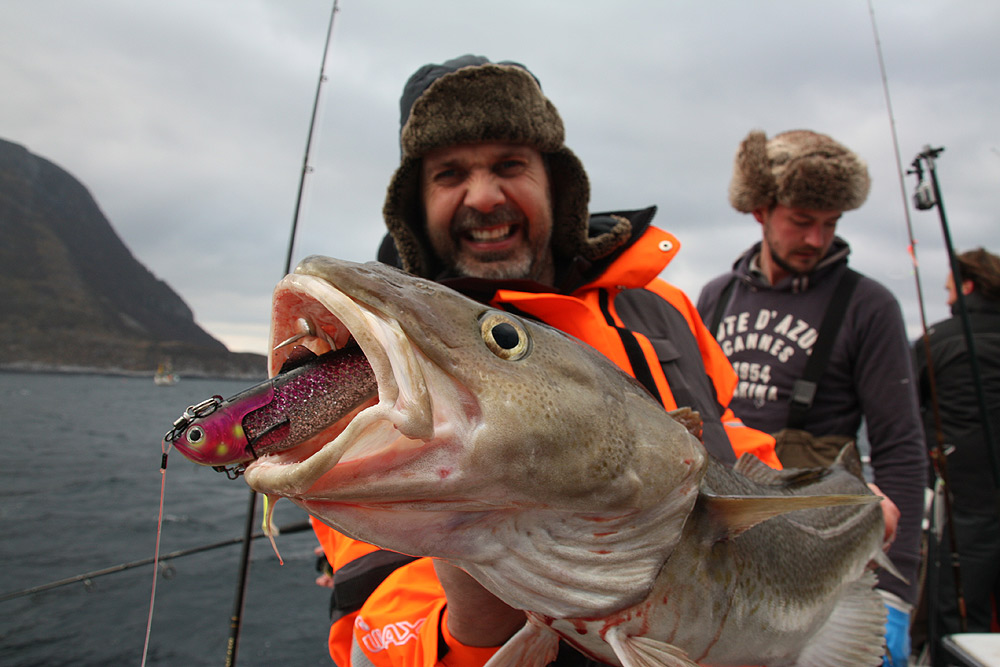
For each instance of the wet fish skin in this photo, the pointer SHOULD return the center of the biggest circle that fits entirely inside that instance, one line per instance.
(552, 477)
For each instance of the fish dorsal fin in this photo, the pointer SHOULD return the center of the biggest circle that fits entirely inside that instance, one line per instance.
(733, 515)
(849, 460)
(753, 468)
(757, 471)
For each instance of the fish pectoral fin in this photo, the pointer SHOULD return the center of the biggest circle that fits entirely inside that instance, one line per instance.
(854, 632)
(645, 652)
(534, 645)
(691, 420)
(733, 515)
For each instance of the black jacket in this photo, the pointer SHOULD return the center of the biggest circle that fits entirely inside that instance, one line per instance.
(970, 465)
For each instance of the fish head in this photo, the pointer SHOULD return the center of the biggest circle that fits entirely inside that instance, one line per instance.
(478, 411)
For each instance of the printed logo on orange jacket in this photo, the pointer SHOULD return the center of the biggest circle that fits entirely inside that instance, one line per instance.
(393, 634)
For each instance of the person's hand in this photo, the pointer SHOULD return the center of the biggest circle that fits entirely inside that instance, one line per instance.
(897, 638)
(890, 515)
(476, 617)
(325, 579)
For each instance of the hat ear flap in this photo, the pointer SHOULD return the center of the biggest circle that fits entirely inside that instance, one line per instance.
(570, 189)
(753, 185)
(404, 215)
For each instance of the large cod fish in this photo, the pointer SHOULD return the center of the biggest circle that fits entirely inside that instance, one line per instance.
(529, 460)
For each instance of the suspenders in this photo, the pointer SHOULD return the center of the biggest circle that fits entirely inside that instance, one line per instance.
(804, 389)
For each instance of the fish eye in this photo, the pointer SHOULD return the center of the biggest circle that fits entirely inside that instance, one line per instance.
(504, 336)
(196, 435)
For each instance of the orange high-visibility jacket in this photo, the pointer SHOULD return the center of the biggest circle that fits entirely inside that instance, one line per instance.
(390, 609)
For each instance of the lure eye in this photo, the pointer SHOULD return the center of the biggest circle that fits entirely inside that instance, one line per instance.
(504, 336)
(196, 435)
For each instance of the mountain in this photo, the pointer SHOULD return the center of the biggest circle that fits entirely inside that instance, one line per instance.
(73, 296)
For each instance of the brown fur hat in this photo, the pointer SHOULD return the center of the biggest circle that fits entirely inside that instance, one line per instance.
(470, 100)
(798, 168)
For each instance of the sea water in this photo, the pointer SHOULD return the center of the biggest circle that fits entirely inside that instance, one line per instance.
(79, 492)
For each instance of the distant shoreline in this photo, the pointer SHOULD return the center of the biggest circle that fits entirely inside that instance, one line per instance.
(38, 369)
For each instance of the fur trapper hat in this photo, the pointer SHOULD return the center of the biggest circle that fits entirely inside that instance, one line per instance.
(470, 100)
(800, 169)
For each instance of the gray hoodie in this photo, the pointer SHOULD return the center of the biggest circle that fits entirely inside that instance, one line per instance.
(769, 331)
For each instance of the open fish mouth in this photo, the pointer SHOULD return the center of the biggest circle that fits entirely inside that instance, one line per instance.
(310, 318)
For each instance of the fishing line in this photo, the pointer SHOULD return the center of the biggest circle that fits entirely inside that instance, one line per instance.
(87, 577)
(165, 448)
(912, 248)
(937, 455)
(236, 619)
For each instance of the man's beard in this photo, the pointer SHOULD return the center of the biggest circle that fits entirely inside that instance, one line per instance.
(518, 263)
(785, 266)
(484, 266)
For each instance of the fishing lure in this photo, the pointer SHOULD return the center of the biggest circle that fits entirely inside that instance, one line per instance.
(308, 395)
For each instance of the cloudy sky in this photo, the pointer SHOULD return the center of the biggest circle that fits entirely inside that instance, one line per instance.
(188, 120)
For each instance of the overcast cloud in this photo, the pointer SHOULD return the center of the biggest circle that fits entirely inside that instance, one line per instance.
(188, 120)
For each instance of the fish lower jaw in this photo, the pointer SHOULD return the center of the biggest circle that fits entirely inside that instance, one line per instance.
(368, 441)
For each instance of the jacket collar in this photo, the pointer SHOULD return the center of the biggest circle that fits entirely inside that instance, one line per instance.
(747, 268)
(577, 272)
(977, 303)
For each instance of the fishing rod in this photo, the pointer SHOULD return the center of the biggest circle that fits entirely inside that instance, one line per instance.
(236, 619)
(309, 137)
(939, 460)
(927, 196)
(937, 456)
(122, 567)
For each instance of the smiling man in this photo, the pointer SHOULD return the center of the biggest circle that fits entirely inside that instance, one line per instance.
(809, 373)
(488, 211)
(488, 199)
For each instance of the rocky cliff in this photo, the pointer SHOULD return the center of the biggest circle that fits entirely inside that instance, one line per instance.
(72, 295)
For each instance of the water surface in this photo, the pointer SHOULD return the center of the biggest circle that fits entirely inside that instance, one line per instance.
(79, 492)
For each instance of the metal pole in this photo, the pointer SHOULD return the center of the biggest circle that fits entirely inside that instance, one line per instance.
(928, 155)
(237, 616)
(924, 202)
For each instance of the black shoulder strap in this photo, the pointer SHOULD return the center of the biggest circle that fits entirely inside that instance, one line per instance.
(636, 357)
(355, 582)
(720, 306)
(804, 389)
